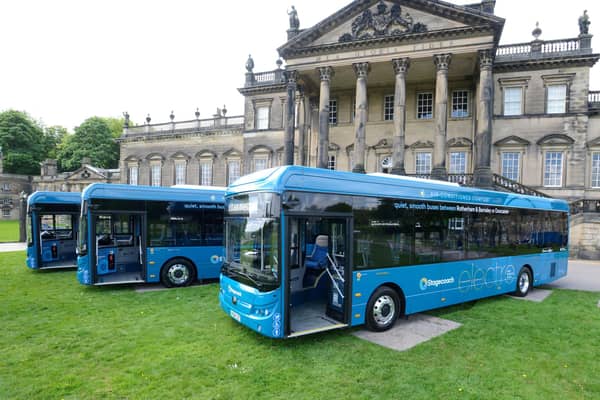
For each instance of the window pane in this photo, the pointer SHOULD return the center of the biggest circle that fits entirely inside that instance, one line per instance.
(155, 172)
(596, 170)
(133, 175)
(388, 108)
(262, 118)
(180, 174)
(458, 163)
(331, 162)
(460, 104)
(206, 173)
(512, 101)
(333, 112)
(424, 105)
(510, 165)
(233, 170)
(553, 169)
(260, 164)
(557, 99)
(423, 163)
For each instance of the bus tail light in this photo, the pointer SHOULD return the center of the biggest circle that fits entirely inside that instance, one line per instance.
(111, 261)
(54, 249)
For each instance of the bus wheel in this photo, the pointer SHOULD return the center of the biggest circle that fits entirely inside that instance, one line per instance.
(523, 282)
(383, 309)
(177, 273)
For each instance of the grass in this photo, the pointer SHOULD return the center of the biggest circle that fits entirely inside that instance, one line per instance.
(9, 231)
(61, 340)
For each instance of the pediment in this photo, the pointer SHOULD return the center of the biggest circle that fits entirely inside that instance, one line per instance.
(369, 20)
(460, 142)
(512, 141)
(556, 139)
(421, 144)
(383, 144)
(594, 143)
(86, 173)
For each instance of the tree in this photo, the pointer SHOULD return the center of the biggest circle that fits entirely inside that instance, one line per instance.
(22, 142)
(93, 139)
(53, 137)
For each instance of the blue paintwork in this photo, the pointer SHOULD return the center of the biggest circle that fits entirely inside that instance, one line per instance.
(425, 287)
(43, 250)
(131, 192)
(317, 180)
(83, 272)
(208, 260)
(262, 312)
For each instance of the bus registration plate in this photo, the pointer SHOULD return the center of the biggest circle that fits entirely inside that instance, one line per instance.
(235, 316)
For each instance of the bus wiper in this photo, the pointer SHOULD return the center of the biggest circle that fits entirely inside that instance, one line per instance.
(252, 278)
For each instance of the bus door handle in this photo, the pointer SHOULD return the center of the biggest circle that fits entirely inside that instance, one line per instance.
(140, 247)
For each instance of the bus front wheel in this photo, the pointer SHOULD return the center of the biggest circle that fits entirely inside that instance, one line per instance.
(524, 282)
(177, 273)
(383, 309)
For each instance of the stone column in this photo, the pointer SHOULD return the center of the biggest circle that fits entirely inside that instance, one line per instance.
(401, 66)
(483, 135)
(288, 141)
(360, 119)
(325, 73)
(442, 62)
(301, 129)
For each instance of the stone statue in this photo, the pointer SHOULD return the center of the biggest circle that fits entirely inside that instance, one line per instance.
(249, 64)
(126, 121)
(584, 23)
(294, 21)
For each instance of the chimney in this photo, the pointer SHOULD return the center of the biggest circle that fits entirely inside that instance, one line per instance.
(49, 167)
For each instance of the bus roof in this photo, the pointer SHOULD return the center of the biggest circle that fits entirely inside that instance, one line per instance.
(318, 180)
(54, 198)
(139, 192)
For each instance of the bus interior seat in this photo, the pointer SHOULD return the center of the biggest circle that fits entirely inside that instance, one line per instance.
(317, 259)
(316, 262)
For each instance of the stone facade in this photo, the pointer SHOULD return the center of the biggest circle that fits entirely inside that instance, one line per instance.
(75, 181)
(13, 191)
(407, 86)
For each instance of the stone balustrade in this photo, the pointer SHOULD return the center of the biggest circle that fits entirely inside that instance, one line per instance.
(196, 125)
(544, 49)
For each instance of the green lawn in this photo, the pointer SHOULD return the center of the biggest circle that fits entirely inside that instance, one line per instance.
(63, 340)
(9, 231)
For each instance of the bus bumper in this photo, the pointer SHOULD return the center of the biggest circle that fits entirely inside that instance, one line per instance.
(258, 311)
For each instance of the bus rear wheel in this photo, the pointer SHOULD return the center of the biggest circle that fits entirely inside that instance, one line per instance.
(383, 309)
(177, 273)
(524, 282)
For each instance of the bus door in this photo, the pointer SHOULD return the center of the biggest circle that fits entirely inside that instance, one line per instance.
(317, 273)
(119, 244)
(57, 238)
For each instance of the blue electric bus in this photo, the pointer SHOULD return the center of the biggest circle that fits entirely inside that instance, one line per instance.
(136, 234)
(309, 250)
(52, 220)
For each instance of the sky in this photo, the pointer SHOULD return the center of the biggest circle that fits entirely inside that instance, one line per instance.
(64, 61)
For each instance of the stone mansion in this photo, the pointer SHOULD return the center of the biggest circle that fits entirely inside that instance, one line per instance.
(416, 87)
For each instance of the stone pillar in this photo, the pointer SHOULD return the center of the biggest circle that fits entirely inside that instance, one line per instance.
(301, 129)
(325, 73)
(401, 66)
(288, 141)
(483, 135)
(360, 119)
(442, 62)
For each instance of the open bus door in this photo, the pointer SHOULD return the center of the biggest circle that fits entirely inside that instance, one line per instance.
(317, 274)
(119, 244)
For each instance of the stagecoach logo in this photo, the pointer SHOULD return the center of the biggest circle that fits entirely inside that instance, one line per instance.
(215, 259)
(232, 290)
(276, 324)
(425, 283)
